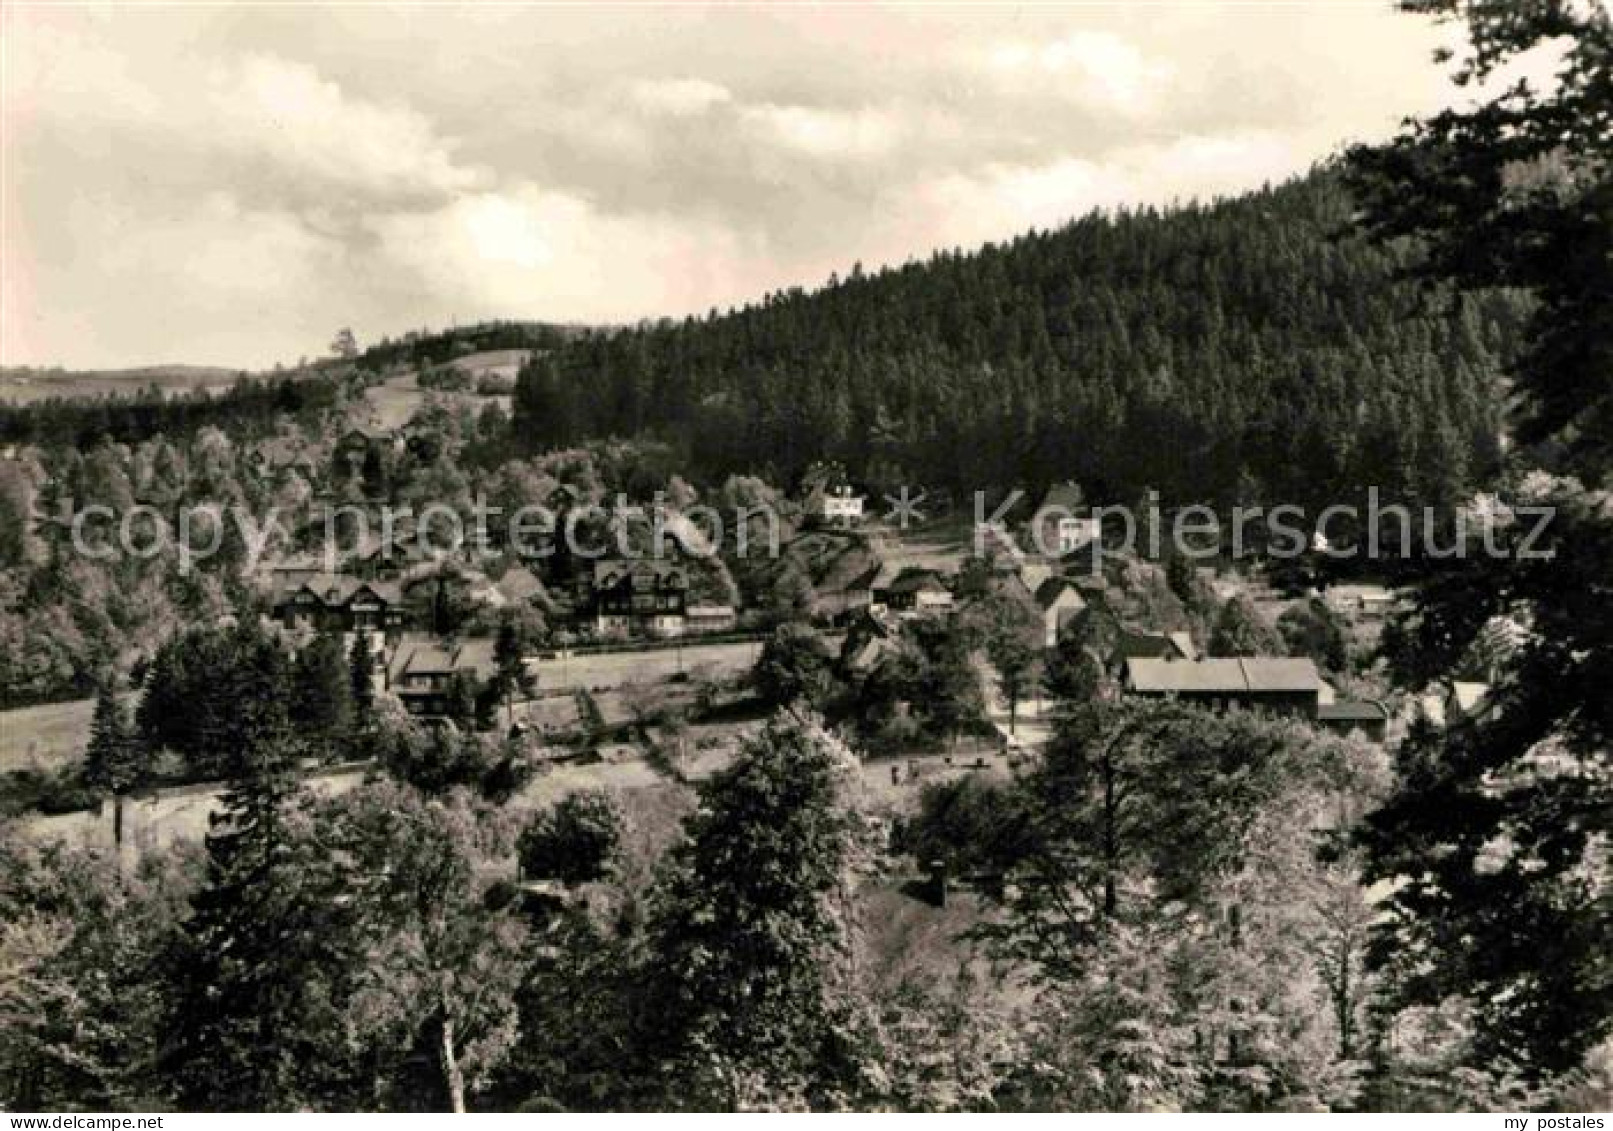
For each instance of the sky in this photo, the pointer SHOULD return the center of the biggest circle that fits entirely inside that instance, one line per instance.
(229, 185)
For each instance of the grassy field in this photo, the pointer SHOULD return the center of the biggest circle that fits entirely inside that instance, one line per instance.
(942, 544)
(50, 736)
(624, 669)
(504, 364)
(22, 388)
(170, 817)
(394, 403)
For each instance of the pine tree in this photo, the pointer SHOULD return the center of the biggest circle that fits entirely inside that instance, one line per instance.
(511, 677)
(322, 698)
(110, 759)
(1494, 844)
(361, 675)
(258, 1021)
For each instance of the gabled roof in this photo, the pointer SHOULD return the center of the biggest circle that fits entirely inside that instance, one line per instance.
(917, 579)
(1222, 675)
(1280, 673)
(640, 574)
(1064, 496)
(1050, 591)
(366, 432)
(1134, 644)
(336, 590)
(430, 659)
(1184, 644)
(1352, 712)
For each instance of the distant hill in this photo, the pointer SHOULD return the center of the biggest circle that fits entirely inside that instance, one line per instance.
(1250, 349)
(462, 343)
(23, 384)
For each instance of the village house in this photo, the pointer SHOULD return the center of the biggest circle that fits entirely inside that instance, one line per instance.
(422, 674)
(1368, 719)
(838, 506)
(710, 618)
(359, 440)
(1279, 685)
(873, 637)
(915, 591)
(1063, 523)
(1457, 701)
(1061, 603)
(342, 603)
(375, 557)
(280, 458)
(639, 597)
(836, 599)
(1372, 602)
(288, 573)
(1142, 644)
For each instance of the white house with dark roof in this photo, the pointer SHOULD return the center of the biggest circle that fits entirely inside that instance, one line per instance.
(342, 603)
(710, 618)
(838, 506)
(914, 591)
(1060, 602)
(1063, 523)
(639, 596)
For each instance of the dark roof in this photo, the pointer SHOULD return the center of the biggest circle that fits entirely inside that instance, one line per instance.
(1053, 588)
(1222, 675)
(1065, 496)
(915, 579)
(1352, 712)
(1133, 644)
(436, 659)
(639, 574)
(338, 589)
(431, 660)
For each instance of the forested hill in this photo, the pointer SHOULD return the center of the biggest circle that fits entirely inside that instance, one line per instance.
(1234, 350)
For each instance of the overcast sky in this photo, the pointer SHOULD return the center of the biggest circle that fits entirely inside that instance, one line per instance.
(230, 185)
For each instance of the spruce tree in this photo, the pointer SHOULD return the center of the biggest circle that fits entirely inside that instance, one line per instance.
(1494, 846)
(361, 675)
(112, 761)
(263, 973)
(323, 691)
(511, 676)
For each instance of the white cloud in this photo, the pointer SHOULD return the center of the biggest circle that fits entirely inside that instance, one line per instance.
(824, 133)
(1093, 67)
(288, 113)
(216, 282)
(525, 251)
(999, 200)
(194, 184)
(678, 98)
(274, 121)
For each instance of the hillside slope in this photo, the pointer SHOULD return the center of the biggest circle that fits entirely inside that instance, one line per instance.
(1212, 352)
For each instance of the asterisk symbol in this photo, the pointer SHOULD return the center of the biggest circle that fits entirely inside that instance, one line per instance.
(903, 508)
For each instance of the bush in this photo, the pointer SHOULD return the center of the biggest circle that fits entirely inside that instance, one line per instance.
(578, 841)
